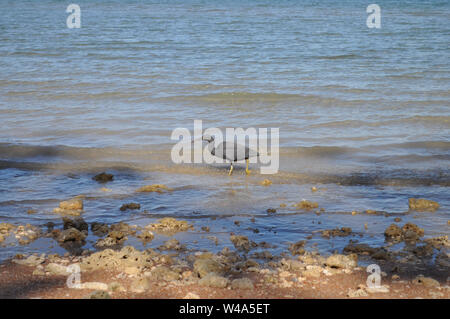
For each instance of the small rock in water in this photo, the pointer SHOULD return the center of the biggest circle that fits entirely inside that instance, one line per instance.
(306, 205)
(422, 205)
(170, 226)
(158, 188)
(73, 207)
(103, 177)
(393, 232)
(128, 206)
(241, 242)
(99, 229)
(72, 235)
(266, 182)
(76, 222)
(297, 248)
(342, 232)
(146, 236)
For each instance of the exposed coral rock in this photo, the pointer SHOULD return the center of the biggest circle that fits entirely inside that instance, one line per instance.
(426, 281)
(159, 188)
(422, 205)
(170, 226)
(214, 280)
(242, 283)
(342, 261)
(72, 207)
(306, 205)
(342, 232)
(204, 266)
(71, 234)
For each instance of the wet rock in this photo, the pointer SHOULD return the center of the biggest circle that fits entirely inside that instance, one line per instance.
(114, 237)
(146, 236)
(306, 205)
(6, 228)
(342, 261)
(170, 226)
(438, 242)
(31, 211)
(393, 232)
(412, 232)
(159, 188)
(426, 281)
(271, 210)
(371, 212)
(77, 223)
(241, 242)
(266, 182)
(213, 280)
(99, 229)
(242, 283)
(172, 244)
(72, 207)
(99, 294)
(342, 232)
(103, 177)
(123, 227)
(380, 254)
(422, 205)
(204, 266)
(131, 206)
(297, 248)
(423, 251)
(360, 249)
(26, 234)
(71, 235)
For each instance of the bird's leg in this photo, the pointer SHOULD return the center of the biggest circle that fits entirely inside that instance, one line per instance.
(231, 169)
(247, 171)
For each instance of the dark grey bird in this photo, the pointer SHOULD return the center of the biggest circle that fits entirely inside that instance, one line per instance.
(230, 151)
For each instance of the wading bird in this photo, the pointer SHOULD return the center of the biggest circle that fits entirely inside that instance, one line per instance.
(230, 151)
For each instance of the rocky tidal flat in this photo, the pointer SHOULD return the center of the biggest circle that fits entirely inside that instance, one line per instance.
(411, 264)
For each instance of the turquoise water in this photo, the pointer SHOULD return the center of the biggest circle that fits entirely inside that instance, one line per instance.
(363, 113)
